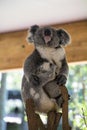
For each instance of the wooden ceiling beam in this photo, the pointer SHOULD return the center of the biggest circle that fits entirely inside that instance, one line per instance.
(14, 48)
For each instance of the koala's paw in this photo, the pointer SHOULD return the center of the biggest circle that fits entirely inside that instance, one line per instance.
(34, 80)
(61, 79)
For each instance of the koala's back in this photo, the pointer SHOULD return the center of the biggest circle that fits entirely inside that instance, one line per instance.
(32, 61)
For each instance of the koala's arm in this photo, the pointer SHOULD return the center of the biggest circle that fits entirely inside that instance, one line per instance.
(64, 68)
(63, 73)
(31, 66)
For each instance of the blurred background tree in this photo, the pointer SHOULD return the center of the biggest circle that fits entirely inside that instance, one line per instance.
(77, 86)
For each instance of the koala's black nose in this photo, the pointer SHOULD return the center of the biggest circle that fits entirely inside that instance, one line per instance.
(47, 32)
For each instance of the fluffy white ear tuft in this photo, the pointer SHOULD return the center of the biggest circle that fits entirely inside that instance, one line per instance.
(31, 33)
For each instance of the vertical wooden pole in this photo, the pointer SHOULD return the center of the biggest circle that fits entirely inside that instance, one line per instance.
(31, 116)
(65, 122)
(57, 120)
(53, 120)
(34, 121)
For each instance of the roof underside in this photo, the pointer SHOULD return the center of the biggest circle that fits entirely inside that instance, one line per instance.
(21, 14)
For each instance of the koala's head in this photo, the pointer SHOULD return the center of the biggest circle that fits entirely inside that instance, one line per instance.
(48, 37)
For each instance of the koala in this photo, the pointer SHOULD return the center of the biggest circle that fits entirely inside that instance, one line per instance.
(46, 69)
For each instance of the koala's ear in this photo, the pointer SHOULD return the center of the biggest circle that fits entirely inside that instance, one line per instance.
(34, 28)
(64, 37)
(31, 33)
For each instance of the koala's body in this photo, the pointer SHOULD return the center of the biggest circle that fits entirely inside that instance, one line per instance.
(46, 69)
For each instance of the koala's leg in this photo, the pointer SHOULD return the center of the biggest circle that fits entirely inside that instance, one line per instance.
(52, 89)
(54, 92)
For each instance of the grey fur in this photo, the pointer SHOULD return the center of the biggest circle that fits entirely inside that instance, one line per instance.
(46, 68)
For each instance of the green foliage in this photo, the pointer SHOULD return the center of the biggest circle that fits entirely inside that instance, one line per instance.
(77, 86)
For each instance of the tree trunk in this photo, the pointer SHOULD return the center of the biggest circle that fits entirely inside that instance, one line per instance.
(3, 97)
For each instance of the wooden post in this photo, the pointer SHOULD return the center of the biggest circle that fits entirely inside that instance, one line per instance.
(35, 123)
(53, 120)
(65, 122)
(32, 120)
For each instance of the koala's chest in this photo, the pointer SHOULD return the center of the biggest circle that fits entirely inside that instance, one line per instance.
(52, 54)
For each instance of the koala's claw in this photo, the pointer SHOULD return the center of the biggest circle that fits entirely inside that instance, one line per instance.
(61, 80)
